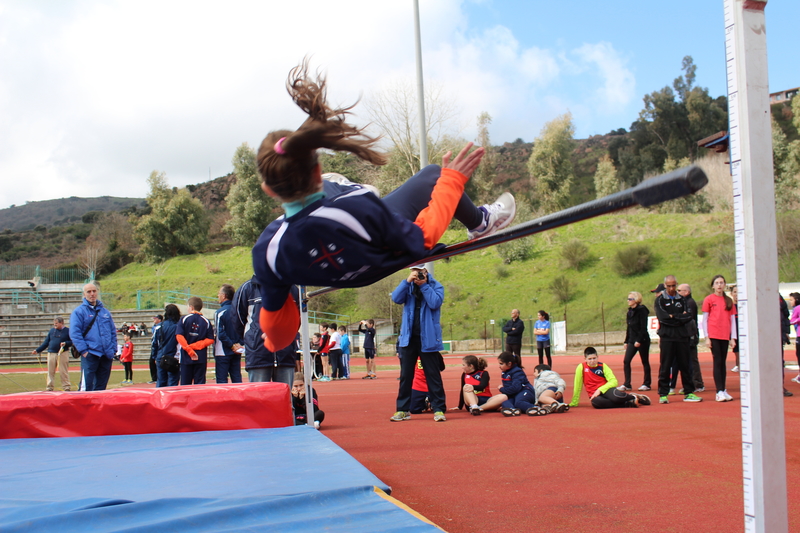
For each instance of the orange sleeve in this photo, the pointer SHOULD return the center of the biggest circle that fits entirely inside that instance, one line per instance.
(280, 326)
(434, 219)
(202, 343)
(182, 342)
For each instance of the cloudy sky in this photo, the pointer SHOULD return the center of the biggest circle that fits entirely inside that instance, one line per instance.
(94, 95)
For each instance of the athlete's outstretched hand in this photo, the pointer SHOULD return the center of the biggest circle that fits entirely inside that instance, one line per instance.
(464, 162)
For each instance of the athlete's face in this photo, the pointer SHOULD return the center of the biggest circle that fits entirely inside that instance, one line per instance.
(504, 367)
(591, 360)
(468, 369)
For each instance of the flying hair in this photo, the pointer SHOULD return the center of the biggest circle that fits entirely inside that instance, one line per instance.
(289, 174)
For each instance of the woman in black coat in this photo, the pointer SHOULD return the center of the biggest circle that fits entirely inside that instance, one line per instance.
(637, 339)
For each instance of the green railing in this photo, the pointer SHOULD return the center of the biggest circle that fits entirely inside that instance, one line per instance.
(22, 297)
(158, 299)
(46, 275)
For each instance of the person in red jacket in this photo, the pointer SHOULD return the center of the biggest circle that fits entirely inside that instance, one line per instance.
(127, 359)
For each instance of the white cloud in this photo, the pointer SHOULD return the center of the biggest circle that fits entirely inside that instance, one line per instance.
(94, 94)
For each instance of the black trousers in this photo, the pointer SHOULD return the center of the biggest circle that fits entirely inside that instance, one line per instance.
(674, 352)
(515, 348)
(644, 354)
(613, 398)
(430, 365)
(719, 351)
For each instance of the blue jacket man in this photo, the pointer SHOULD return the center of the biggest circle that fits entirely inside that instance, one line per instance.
(420, 338)
(260, 363)
(228, 361)
(98, 344)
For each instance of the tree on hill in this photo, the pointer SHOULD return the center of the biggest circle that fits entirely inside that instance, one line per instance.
(786, 167)
(250, 208)
(479, 187)
(550, 164)
(605, 178)
(177, 224)
(672, 121)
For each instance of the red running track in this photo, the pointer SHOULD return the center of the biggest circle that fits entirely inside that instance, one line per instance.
(674, 467)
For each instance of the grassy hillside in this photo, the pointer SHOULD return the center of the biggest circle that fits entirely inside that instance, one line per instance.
(59, 212)
(480, 287)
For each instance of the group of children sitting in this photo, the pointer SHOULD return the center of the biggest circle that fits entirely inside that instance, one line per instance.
(545, 395)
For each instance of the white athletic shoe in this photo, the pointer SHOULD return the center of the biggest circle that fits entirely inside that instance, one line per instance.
(796, 379)
(728, 397)
(735, 369)
(333, 177)
(644, 387)
(496, 216)
(721, 397)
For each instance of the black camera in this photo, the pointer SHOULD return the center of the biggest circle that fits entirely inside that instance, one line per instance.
(420, 274)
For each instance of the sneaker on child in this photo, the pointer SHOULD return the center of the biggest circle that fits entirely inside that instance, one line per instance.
(496, 216)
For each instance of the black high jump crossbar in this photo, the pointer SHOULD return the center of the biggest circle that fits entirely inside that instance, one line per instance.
(656, 190)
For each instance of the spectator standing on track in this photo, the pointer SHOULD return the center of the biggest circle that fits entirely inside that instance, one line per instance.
(735, 350)
(673, 332)
(685, 290)
(157, 320)
(513, 330)
(57, 343)
(719, 327)
(195, 334)
(335, 351)
(324, 350)
(260, 363)
(420, 338)
(369, 346)
(126, 358)
(786, 329)
(166, 346)
(542, 331)
(794, 300)
(94, 335)
(345, 351)
(637, 339)
(227, 352)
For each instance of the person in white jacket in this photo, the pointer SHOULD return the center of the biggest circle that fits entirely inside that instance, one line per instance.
(549, 389)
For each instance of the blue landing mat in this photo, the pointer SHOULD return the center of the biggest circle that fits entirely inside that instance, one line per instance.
(286, 479)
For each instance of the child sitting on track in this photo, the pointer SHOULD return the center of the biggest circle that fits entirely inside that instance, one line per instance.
(474, 384)
(601, 385)
(343, 235)
(517, 394)
(549, 389)
(299, 402)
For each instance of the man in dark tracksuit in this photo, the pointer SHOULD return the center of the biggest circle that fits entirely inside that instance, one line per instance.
(673, 320)
(513, 330)
(691, 307)
(260, 363)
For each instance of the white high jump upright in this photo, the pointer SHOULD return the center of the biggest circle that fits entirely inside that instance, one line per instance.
(761, 372)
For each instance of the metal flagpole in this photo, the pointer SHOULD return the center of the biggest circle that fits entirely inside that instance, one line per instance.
(760, 370)
(423, 136)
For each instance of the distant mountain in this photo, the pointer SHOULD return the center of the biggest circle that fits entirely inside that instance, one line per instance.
(60, 212)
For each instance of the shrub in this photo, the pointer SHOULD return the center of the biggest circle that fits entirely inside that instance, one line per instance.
(574, 253)
(562, 288)
(633, 260)
(502, 271)
(701, 250)
(516, 250)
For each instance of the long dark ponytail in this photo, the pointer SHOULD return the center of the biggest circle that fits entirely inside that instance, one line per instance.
(286, 158)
